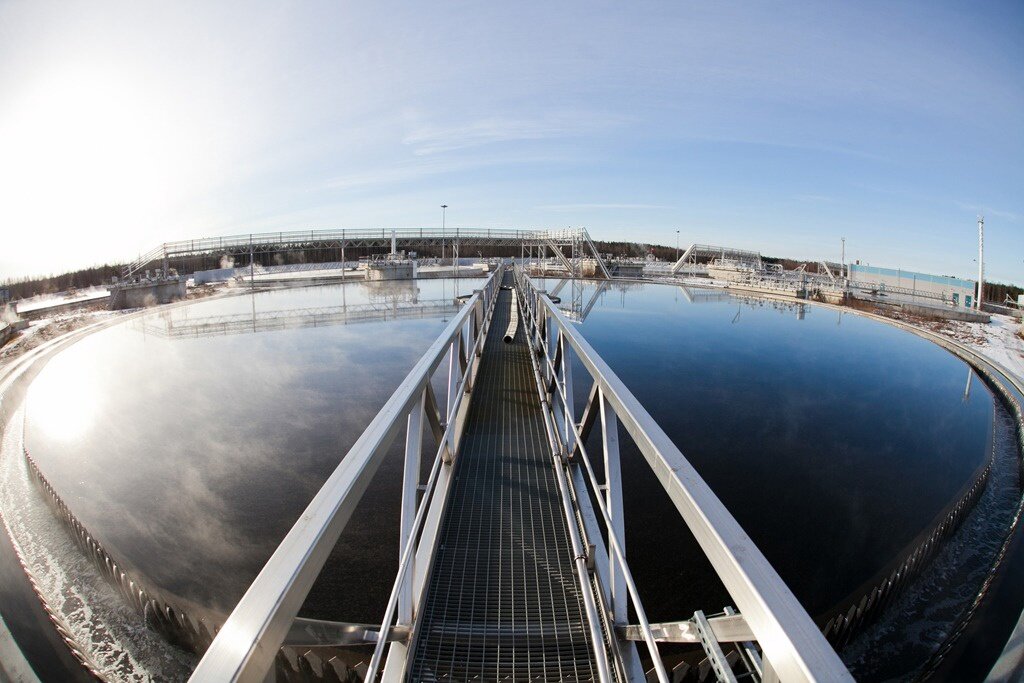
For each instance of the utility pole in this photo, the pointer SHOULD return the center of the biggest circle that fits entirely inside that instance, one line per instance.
(252, 267)
(444, 210)
(843, 257)
(981, 262)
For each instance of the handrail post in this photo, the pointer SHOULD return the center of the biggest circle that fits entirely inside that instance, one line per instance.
(410, 483)
(453, 380)
(478, 320)
(569, 431)
(792, 643)
(613, 500)
(246, 645)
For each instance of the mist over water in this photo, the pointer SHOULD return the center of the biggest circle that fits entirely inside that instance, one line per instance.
(191, 456)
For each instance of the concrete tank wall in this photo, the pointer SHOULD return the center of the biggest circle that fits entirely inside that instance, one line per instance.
(142, 294)
(390, 271)
(202, 277)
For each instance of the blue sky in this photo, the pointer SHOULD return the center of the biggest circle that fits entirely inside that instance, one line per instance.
(778, 127)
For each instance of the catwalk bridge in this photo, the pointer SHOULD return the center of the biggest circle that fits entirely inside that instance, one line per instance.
(512, 552)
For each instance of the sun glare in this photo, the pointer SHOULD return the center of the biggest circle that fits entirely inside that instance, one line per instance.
(85, 152)
(62, 400)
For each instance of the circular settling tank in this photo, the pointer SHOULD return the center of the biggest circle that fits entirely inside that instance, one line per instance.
(188, 440)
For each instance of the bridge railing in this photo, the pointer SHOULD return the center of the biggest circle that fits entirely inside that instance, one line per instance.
(245, 647)
(300, 237)
(793, 646)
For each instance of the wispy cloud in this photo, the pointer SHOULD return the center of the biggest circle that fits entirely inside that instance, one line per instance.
(809, 146)
(422, 167)
(432, 139)
(988, 211)
(399, 172)
(586, 207)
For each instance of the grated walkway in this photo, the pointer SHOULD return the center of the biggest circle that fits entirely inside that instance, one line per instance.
(502, 600)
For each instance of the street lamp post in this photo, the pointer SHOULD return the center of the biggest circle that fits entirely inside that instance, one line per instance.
(677, 246)
(842, 258)
(444, 209)
(981, 263)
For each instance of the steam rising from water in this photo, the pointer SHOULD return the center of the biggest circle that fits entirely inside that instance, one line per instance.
(111, 635)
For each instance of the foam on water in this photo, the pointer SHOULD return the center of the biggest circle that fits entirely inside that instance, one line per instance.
(108, 634)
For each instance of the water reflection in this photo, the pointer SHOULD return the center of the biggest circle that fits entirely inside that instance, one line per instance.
(292, 318)
(190, 455)
(189, 448)
(834, 445)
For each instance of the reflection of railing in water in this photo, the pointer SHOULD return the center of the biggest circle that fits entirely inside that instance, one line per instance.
(792, 646)
(576, 310)
(295, 662)
(265, 321)
(247, 645)
(704, 295)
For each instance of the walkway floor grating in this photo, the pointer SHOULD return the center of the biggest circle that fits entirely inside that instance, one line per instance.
(502, 601)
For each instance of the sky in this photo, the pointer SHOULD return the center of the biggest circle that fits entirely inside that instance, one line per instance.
(781, 127)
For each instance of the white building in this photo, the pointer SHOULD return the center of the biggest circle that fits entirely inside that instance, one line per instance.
(953, 290)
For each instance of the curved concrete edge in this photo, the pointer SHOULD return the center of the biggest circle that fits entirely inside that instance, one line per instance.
(15, 376)
(1010, 664)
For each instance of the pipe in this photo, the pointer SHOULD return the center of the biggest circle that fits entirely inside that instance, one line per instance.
(513, 323)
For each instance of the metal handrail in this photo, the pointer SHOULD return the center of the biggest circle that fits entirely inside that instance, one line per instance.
(645, 627)
(245, 647)
(206, 244)
(409, 551)
(793, 645)
(552, 430)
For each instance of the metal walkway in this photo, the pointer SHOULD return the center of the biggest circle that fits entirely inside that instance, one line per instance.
(512, 561)
(502, 600)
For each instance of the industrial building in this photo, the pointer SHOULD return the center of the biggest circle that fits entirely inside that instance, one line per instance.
(954, 290)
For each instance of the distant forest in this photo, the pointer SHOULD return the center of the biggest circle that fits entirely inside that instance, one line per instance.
(24, 288)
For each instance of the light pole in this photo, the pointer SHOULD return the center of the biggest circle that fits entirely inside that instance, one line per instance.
(444, 209)
(842, 261)
(677, 246)
(981, 263)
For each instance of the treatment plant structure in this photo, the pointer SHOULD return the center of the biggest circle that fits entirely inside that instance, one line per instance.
(538, 588)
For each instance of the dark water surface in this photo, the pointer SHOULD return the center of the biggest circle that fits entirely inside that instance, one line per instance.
(833, 439)
(190, 442)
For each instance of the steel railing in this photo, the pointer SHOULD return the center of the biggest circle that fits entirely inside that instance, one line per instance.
(300, 237)
(245, 647)
(793, 646)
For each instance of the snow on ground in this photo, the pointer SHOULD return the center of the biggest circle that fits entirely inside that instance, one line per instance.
(44, 329)
(998, 340)
(1003, 343)
(48, 300)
